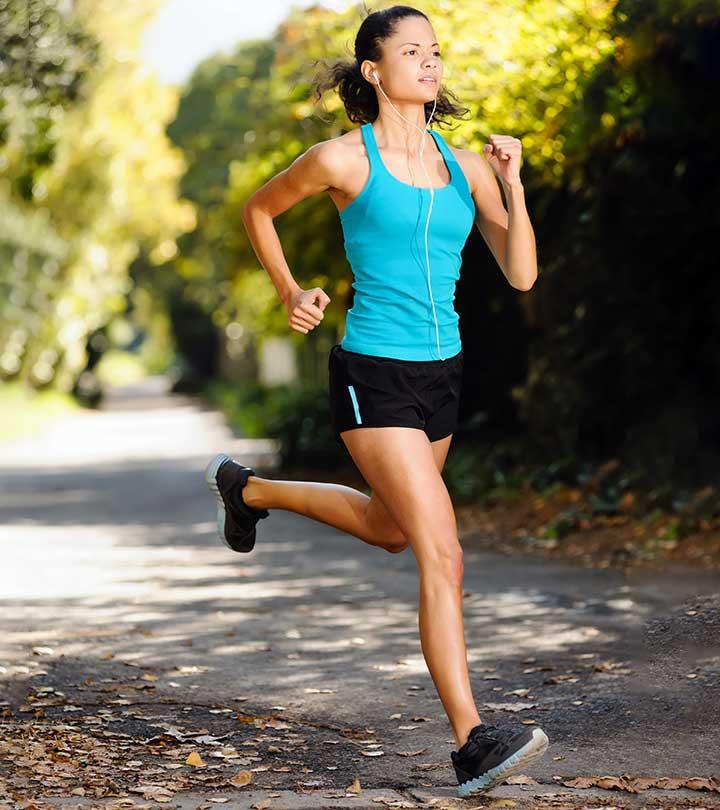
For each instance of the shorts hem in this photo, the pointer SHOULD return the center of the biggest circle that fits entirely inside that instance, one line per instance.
(431, 437)
(342, 429)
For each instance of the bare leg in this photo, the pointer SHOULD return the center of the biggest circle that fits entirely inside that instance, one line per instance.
(337, 505)
(400, 466)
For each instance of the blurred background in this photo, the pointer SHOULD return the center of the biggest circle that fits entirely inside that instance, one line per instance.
(132, 134)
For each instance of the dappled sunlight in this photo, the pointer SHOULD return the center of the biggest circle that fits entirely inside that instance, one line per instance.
(120, 596)
(146, 601)
(174, 601)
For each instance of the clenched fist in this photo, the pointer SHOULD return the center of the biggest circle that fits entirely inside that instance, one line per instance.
(305, 309)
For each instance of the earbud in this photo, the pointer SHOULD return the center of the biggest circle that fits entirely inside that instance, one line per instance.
(377, 78)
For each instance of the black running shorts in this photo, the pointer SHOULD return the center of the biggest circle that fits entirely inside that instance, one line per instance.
(371, 391)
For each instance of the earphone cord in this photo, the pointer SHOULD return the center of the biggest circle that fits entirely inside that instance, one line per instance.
(432, 199)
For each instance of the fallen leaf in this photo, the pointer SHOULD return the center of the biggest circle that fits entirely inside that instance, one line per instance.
(509, 707)
(241, 778)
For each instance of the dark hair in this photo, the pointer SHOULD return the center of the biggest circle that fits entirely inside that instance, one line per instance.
(357, 94)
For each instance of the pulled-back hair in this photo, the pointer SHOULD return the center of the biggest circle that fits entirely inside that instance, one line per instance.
(357, 94)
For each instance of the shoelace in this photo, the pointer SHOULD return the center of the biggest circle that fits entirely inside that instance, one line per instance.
(497, 736)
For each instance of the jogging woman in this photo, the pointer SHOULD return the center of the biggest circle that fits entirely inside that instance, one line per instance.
(395, 377)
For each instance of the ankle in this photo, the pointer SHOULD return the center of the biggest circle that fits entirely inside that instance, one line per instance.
(462, 733)
(253, 492)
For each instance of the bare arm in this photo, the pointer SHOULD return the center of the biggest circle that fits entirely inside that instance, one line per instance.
(310, 173)
(509, 235)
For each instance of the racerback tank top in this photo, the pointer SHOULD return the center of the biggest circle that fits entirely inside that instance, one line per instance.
(384, 230)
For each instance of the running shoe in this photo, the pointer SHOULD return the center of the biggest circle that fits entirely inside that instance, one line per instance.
(491, 754)
(235, 519)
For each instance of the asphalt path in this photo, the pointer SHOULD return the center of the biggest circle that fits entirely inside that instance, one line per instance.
(123, 612)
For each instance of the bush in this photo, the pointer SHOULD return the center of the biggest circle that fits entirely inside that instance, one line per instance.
(297, 415)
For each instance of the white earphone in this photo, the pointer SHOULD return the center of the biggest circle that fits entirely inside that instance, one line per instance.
(432, 199)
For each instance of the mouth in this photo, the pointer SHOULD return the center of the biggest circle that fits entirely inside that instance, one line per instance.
(428, 81)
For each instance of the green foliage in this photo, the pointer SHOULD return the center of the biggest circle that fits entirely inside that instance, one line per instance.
(627, 349)
(475, 473)
(297, 415)
(87, 180)
(45, 58)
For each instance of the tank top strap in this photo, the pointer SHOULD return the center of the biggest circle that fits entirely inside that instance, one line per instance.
(458, 176)
(371, 146)
(442, 146)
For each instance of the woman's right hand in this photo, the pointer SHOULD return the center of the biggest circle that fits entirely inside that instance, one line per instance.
(305, 309)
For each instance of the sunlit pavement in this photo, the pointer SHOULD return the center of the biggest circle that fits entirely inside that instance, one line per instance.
(121, 603)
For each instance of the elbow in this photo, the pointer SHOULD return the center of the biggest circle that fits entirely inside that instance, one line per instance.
(250, 206)
(525, 284)
(251, 209)
(246, 211)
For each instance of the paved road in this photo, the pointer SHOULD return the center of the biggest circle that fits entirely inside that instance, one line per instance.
(123, 611)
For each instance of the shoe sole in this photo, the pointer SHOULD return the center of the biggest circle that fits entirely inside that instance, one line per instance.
(529, 753)
(211, 472)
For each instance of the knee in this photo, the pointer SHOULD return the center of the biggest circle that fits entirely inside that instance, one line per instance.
(447, 562)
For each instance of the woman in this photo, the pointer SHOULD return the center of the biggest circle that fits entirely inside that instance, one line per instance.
(395, 377)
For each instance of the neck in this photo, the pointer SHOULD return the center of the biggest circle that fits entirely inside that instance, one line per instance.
(395, 131)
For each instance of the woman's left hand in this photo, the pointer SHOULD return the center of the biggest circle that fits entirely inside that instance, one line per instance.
(503, 154)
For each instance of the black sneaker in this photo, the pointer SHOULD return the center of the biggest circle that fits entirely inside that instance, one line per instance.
(491, 754)
(235, 519)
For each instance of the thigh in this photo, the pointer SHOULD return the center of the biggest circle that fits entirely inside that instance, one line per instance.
(402, 468)
(377, 512)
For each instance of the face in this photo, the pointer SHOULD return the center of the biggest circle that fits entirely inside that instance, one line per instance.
(411, 53)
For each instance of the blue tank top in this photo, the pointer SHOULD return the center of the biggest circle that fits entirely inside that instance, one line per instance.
(384, 230)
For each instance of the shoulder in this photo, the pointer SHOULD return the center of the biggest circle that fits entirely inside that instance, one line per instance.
(333, 157)
(475, 168)
(335, 151)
